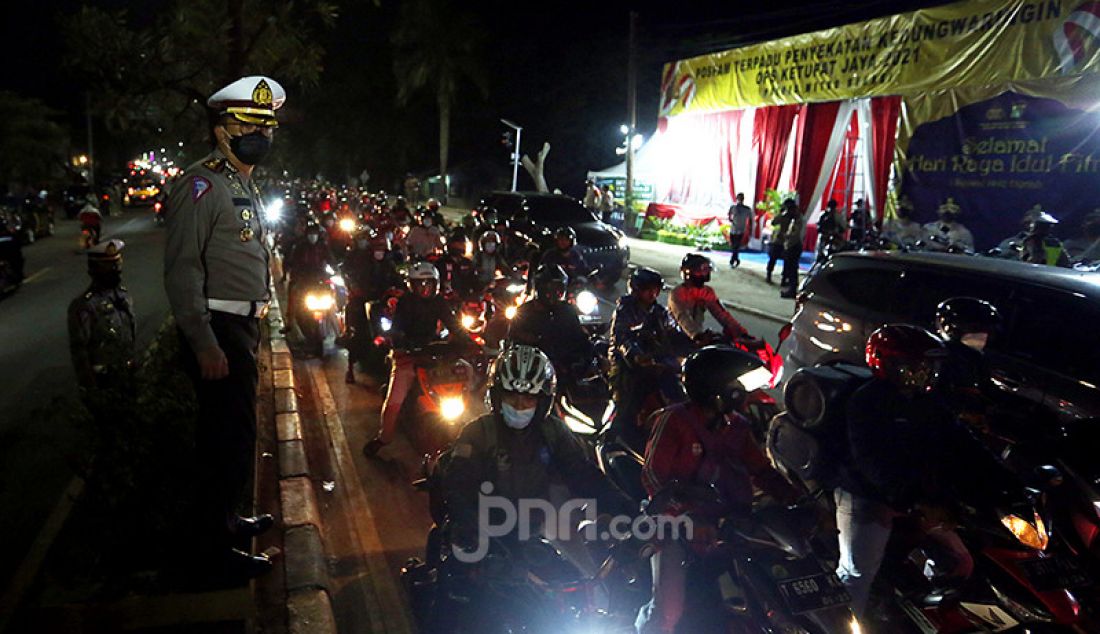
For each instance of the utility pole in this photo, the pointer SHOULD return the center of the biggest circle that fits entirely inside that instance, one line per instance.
(631, 105)
(91, 145)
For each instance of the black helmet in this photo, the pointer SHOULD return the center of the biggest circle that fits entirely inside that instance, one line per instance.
(696, 268)
(550, 282)
(644, 277)
(720, 376)
(523, 369)
(961, 316)
(566, 232)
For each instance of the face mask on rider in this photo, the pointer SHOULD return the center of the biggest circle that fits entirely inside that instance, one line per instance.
(516, 418)
(362, 244)
(427, 222)
(975, 340)
(490, 247)
(252, 148)
(312, 238)
(379, 255)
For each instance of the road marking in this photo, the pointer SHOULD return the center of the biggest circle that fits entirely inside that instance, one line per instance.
(36, 275)
(388, 598)
(36, 554)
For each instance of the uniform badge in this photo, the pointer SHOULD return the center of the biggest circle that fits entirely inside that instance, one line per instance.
(237, 188)
(262, 95)
(246, 234)
(246, 214)
(199, 187)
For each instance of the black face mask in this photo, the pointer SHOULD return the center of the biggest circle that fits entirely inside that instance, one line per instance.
(250, 149)
(107, 279)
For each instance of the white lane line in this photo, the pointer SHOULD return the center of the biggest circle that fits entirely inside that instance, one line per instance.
(393, 617)
(36, 275)
(36, 554)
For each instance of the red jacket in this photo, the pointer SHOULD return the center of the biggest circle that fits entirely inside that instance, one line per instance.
(684, 447)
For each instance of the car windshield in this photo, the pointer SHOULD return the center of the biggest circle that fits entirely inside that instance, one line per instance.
(557, 211)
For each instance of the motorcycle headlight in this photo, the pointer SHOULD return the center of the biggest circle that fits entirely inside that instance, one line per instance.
(347, 225)
(319, 302)
(274, 211)
(755, 379)
(516, 289)
(385, 323)
(468, 321)
(1029, 534)
(587, 302)
(510, 312)
(451, 407)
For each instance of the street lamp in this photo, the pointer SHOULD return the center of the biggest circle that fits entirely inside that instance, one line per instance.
(515, 154)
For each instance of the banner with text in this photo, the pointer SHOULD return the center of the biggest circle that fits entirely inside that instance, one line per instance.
(1000, 157)
(977, 42)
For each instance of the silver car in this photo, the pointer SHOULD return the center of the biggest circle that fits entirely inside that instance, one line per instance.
(1049, 347)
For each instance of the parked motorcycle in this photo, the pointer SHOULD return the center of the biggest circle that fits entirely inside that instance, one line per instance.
(1015, 581)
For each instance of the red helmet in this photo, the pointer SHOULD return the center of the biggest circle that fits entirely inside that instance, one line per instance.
(907, 356)
(433, 204)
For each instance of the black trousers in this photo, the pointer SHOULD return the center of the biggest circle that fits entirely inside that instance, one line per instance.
(226, 428)
(775, 252)
(735, 246)
(790, 267)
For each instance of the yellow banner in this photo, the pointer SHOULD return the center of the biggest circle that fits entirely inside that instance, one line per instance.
(973, 43)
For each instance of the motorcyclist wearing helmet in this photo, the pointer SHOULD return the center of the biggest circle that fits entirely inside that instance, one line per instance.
(425, 238)
(456, 270)
(488, 259)
(1040, 247)
(966, 325)
(646, 344)
(305, 265)
(702, 442)
(526, 453)
(905, 452)
(552, 324)
(370, 271)
(948, 227)
(690, 302)
(565, 253)
(416, 323)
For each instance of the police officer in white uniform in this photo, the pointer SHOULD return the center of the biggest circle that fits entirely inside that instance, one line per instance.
(217, 279)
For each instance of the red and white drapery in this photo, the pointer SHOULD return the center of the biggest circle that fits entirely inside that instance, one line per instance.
(700, 162)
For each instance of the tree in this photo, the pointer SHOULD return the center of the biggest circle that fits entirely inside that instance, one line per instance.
(437, 47)
(154, 77)
(32, 145)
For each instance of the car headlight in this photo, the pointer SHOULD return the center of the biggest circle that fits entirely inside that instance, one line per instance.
(510, 312)
(1032, 535)
(587, 302)
(319, 302)
(451, 407)
(347, 225)
(468, 321)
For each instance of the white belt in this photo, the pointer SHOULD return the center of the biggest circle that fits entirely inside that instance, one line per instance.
(257, 309)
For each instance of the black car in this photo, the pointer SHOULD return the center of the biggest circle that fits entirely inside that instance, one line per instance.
(601, 244)
(1047, 351)
(29, 218)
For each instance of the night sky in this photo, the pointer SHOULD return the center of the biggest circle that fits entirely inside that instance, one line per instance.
(556, 68)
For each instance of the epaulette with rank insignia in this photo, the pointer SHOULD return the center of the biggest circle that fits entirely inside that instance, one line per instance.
(215, 164)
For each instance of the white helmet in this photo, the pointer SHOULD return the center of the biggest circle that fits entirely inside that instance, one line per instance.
(423, 271)
(488, 236)
(523, 369)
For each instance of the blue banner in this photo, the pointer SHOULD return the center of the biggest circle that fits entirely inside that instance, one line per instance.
(999, 158)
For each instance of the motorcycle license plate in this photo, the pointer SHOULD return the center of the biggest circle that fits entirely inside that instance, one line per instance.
(813, 592)
(1054, 573)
